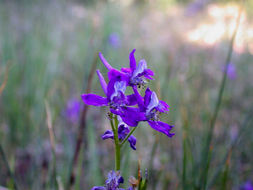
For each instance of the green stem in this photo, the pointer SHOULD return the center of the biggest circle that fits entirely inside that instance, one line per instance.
(207, 146)
(116, 141)
(129, 134)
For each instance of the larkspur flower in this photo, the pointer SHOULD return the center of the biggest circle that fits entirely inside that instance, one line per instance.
(114, 179)
(232, 74)
(149, 109)
(136, 75)
(114, 40)
(116, 99)
(231, 71)
(72, 110)
(123, 131)
(247, 186)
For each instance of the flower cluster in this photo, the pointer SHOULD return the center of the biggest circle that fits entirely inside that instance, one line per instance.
(132, 108)
(114, 179)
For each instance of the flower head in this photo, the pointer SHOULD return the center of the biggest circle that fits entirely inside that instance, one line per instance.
(72, 110)
(114, 179)
(231, 71)
(115, 97)
(247, 186)
(114, 40)
(149, 109)
(136, 75)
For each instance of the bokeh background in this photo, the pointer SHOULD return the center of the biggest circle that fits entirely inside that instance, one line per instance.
(47, 49)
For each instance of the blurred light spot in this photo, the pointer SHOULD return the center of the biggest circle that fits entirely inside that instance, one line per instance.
(220, 25)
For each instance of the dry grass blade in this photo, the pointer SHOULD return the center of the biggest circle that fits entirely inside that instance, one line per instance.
(52, 141)
(5, 81)
(50, 126)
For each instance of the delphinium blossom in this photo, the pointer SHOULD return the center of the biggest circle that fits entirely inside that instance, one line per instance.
(72, 110)
(231, 71)
(247, 186)
(150, 107)
(114, 179)
(136, 75)
(114, 40)
(126, 111)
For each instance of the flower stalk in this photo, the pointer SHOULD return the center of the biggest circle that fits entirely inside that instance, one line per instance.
(116, 141)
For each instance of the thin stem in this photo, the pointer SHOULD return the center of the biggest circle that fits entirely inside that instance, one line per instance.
(52, 141)
(129, 134)
(207, 147)
(116, 141)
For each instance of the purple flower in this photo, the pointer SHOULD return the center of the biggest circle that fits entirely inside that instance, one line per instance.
(231, 72)
(149, 109)
(114, 179)
(72, 110)
(114, 40)
(247, 186)
(123, 131)
(115, 97)
(136, 75)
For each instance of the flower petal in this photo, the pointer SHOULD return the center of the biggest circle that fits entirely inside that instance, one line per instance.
(161, 127)
(108, 135)
(103, 60)
(118, 75)
(139, 99)
(131, 116)
(132, 141)
(119, 86)
(132, 60)
(94, 100)
(131, 100)
(126, 70)
(140, 69)
(147, 97)
(102, 81)
(98, 188)
(123, 130)
(154, 102)
(162, 107)
(148, 74)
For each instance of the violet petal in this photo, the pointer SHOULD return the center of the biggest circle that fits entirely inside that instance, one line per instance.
(94, 100)
(161, 127)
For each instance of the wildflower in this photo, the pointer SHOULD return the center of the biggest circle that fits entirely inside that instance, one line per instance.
(247, 186)
(231, 71)
(114, 40)
(150, 108)
(116, 99)
(72, 110)
(114, 179)
(136, 75)
(123, 131)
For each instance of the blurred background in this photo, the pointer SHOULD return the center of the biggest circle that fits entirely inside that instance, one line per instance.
(47, 49)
